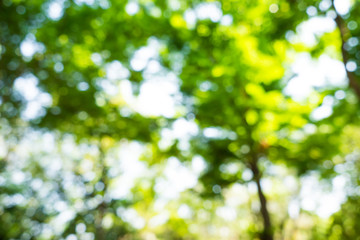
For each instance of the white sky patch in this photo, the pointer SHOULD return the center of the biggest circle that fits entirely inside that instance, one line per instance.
(311, 11)
(159, 219)
(227, 213)
(226, 20)
(212, 132)
(126, 91)
(247, 174)
(321, 112)
(325, 110)
(177, 179)
(184, 211)
(294, 208)
(184, 129)
(216, 132)
(198, 164)
(27, 87)
(351, 66)
(190, 18)
(131, 216)
(311, 74)
(131, 167)
(32, 111)
(18, 177)
(155, 98)
(153, 67)
(69, 149)
(132, 8)
(174, 4)
(116, 71)
(109, 87)
(342, 6)
(96, 58)
(32, 144)
(87, 2)
(333, 70)
(266, 184)
(313, 197)
(181, 130)
(325, 5)
(56, 10)
(159, 91)
(58, 223)
(236, 195)
(116, 75)
(29, 46)
(142, 56)
(210, 11)
(35, 98)
(316, 26)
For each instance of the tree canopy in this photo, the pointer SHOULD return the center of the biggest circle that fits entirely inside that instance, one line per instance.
(147, 119)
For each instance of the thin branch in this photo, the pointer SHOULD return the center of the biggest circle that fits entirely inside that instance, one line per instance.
(267, 233)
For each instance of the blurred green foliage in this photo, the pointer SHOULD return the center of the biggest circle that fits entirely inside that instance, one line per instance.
(172, 120)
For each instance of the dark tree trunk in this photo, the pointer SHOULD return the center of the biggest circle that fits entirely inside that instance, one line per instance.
(345, 34)
(267, 231)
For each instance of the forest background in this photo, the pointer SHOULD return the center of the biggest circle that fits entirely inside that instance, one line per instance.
(140, 119)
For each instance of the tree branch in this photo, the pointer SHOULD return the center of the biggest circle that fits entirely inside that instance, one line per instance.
(267, 231)
(345, 33)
